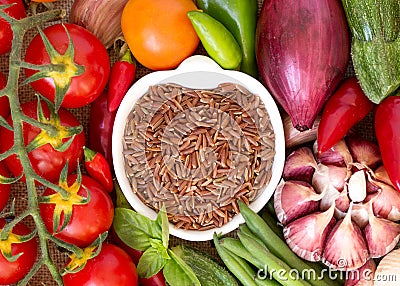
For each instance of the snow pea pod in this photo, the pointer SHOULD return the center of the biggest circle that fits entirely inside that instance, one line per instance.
(216, 39)
(240, 18)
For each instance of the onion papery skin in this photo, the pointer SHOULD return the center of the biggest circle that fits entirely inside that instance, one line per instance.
(302, 51)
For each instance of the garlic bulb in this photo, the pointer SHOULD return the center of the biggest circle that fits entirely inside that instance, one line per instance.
(101, 17)
(345, 214)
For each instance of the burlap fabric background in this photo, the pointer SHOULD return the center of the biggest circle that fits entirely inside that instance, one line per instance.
(43, 277)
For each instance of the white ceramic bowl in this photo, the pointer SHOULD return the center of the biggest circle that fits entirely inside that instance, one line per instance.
(197, 72)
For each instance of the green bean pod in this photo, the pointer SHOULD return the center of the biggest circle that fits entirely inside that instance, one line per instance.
(238, 252)
(219, 43)
(276, 245)
(237, 266)
(275, 267)
(245, 229)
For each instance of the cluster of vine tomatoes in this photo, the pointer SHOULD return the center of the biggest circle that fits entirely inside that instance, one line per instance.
(90, 207)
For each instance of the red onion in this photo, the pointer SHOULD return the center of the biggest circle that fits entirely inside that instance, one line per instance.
(302, 51)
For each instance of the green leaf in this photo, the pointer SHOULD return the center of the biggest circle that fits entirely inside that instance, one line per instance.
(150, 263)
(177, 272)
(134, 229)
(162, 220)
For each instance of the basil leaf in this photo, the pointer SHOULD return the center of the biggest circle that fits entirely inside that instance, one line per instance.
(134, 229)
(162, 220)
(151, 262)
(177, 272)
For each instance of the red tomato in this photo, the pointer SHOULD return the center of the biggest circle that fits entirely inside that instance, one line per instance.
(4, 104)
(12, 272)
(387, 121)
(5, 189)
(16, 11)
(156, 280)
(112, 266)
(89, 52)
(89, 220)
(45, 160)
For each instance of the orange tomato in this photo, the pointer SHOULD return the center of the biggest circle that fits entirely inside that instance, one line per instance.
(158, 32)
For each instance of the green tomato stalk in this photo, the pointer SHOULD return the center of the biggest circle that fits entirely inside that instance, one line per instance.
(20, 27)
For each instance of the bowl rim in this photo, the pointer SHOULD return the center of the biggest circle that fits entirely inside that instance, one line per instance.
(197, 64)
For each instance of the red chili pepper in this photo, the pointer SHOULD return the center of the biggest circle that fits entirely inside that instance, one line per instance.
(101, 123)
(98, 168)
(121, 78)
(387, 131)
(346, 107)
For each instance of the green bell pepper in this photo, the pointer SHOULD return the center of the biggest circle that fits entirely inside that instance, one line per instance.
(240, 18)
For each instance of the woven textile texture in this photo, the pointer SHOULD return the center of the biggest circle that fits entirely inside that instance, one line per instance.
(26, 93)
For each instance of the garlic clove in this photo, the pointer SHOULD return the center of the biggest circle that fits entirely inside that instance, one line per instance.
(364, 151)
(345, 248)
(322, 182)
(337, 176)
(360, 213)
(388, 272)
(372, 188)
(294, 137)
(306, 236)
(362, 276)
(381, 234)
(342, 204)
(300, 165)
(357, 187)
(294, 199)
(381, 174)
(338, 155)
(386, 204)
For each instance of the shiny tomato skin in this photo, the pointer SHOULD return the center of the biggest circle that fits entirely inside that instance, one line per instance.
(45, 160)
(88, 221)
(158, 32)
(155, 280)
(5, 189)
(387, 131)
(16, 11)
(89, 52)
(112, 266)
(12, 272)
(4, 104)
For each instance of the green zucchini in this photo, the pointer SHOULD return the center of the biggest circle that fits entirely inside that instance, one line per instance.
(375, 47)
(208, 270)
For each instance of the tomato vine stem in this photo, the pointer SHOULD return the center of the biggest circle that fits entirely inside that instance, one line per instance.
(20, 27)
